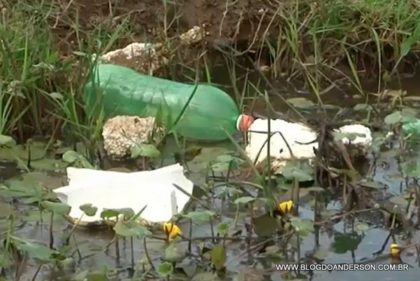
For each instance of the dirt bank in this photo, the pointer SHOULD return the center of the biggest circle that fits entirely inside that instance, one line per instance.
(225, 22)
(294, 33)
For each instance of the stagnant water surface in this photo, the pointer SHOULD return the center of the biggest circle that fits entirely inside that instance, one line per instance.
(95, 255)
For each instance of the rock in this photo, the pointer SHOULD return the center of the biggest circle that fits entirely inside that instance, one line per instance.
(146, 58)
(192, 36)
(122, 133)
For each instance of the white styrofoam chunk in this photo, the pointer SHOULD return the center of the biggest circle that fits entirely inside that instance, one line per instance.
(116, 190)
(362, 134)
(301, 139)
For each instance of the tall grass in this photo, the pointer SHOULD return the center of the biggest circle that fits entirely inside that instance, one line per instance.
(321, 43)
(41, 90)
(315, 40)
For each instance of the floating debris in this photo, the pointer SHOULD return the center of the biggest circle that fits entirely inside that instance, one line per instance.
(106, 190)
(356, 135)
(288, 141)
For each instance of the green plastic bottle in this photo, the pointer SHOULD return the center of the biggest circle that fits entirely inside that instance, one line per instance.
(210, 115)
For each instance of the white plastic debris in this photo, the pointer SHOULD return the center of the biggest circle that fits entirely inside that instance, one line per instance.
(116, 190)
(122, 133)
(355, 135)
(301, 139)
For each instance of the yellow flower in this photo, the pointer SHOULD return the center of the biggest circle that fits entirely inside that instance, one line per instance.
(285, 207)
(171, 230)
(394, 250)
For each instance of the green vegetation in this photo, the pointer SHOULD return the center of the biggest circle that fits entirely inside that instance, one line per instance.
(285, 48)
(46, 48)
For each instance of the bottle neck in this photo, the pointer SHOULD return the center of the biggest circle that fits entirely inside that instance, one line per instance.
(243, 122)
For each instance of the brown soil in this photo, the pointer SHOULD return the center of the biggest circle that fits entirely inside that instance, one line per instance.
(241, 21)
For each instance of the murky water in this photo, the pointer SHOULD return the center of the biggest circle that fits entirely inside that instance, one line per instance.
(95, 254)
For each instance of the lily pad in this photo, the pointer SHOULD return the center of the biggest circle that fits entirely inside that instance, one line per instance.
(56, 207)
(89, 210)
(244, 200)
(393, 118)
(76, 159)
(298, 170)
(200, 216)
(34, 249)
(175, 252)
(165, 269)
(131, 228)
(304, 226)
(266, 225)
(346, 242)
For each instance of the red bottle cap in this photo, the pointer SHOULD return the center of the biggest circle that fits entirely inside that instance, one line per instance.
(244, 122)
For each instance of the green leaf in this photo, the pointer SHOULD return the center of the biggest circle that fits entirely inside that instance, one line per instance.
(222, 228)
(411, 168)
(113, 213)
(109, 214)
(200, 216)
(223, 162)
(218, 256)
(4, 262)
(145, 150)
(346, 242)
(244, 200)
(72, 157)
(265, 225)
(175, 252)
(304, 226)
(56, 207)
(34, 250)
(7, 141)
(27, 190)
(131, 229)
(297, 170)
(165, 269)
(393, 118)
(89, 209)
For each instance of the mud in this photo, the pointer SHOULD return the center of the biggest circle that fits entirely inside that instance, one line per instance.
(224, 21)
